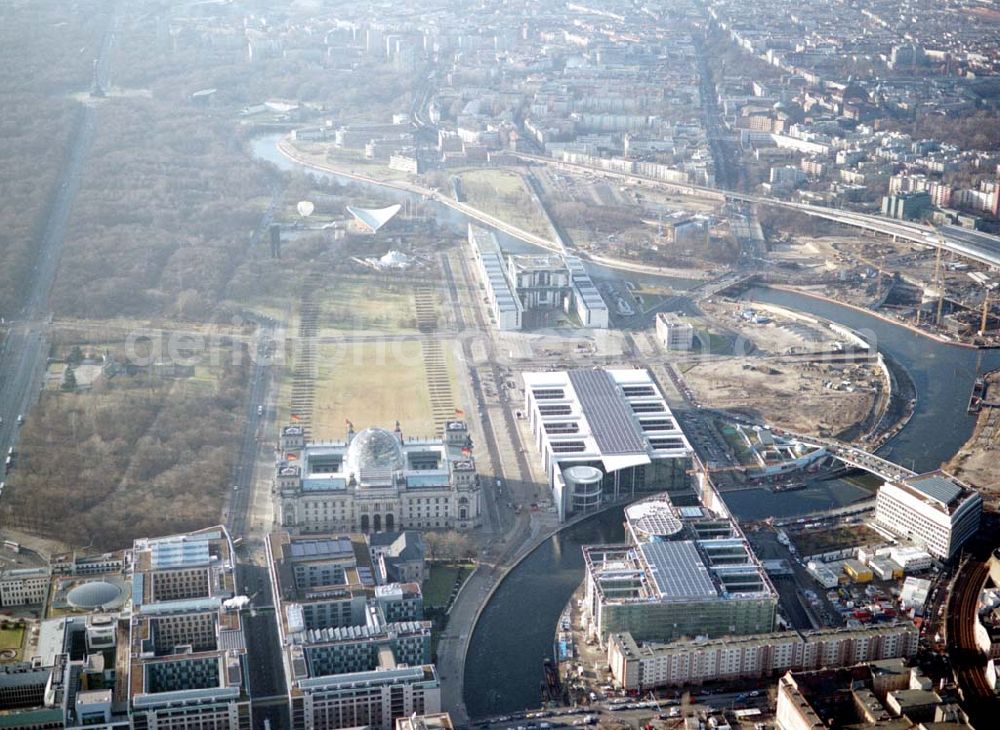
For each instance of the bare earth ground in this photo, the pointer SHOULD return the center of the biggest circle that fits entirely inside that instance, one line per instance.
(770, 388)
(976, 462)
(777, 337)
(42, 545)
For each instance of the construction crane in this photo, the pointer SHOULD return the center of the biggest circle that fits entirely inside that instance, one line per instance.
(986, 314)
(939, 283)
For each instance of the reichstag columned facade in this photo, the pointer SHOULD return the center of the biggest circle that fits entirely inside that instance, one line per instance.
(377, 480)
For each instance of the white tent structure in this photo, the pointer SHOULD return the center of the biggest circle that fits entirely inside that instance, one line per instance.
(394, 260)
(374, 218)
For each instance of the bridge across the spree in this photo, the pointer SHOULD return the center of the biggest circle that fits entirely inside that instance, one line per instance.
(848, 454)
(854, 456)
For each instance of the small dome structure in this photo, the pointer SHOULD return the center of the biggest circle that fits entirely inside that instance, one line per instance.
(94, 594)
(654, 519)
(374, 450)
(394, 259)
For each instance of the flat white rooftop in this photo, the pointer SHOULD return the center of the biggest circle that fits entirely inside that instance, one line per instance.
(617, 416)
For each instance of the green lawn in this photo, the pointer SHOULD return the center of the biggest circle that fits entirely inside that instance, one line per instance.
(504, 194)
(866, 481)
(368, 303)
(441, 580)
(736, 441)
(11, 639)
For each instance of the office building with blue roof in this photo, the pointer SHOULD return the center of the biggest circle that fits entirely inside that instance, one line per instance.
(186, 660)
(355, 649)
(685, 572)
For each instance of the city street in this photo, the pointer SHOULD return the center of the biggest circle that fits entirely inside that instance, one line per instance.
(23, 356)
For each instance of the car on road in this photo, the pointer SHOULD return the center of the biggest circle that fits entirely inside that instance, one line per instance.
(236, 487)
(260, 410)
(20, 418)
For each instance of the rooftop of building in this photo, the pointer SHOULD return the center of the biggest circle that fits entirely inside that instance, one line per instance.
(42, 571)
(344, 559)
(537, 262)
(653, 518)
(911, 698)
(584, 286)
(22, 674)
(184, 580)
(405, 545)
(374, 218)
(673, 319)
(938, 490)
(377, 457)
(846, 697)
(830, 694)
(439, 721)
(618, 416)
(677, 571)
(425, 673)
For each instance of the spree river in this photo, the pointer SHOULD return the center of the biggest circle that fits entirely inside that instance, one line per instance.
(515, 630)
(265, 148)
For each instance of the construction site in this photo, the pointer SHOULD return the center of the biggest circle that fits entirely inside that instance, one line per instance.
(976, 462)
(776, 356)
(939, 293)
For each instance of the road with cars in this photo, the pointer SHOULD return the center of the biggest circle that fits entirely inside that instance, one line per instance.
(25, 349)
(254, 417)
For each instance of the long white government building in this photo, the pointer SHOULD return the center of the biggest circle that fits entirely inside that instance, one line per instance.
(520, 284)
(377, 480)
(604, 434)
(933, 510)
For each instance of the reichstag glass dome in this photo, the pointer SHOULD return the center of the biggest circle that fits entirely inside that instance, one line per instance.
(374, 449)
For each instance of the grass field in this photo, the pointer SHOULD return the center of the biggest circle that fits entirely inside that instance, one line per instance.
(502, 182)
(866, 481)
(719, 344)
(364, 303)
(441, 581)
(737, 443)
(348, 161)
(374, 384)
(11, 639)
(504, 195)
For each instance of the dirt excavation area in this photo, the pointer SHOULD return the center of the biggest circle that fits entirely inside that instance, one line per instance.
(823, 399)
(978, 462)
